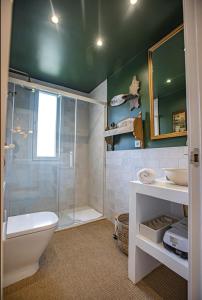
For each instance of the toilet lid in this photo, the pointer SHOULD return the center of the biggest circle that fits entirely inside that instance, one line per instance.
(25, 224)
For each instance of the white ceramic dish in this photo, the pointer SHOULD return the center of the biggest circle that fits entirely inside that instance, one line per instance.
(178, 176)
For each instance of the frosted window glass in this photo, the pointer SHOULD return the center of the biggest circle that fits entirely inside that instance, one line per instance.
(47, 125)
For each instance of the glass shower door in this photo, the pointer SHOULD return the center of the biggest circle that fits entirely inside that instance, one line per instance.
(40, 166)
(27, 177)
(66, 166)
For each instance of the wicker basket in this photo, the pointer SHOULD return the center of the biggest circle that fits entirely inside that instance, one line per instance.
(122, 232)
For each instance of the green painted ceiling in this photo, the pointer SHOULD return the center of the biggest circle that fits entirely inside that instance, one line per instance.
(66, 54)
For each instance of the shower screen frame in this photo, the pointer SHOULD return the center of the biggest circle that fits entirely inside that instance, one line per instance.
(60, 93)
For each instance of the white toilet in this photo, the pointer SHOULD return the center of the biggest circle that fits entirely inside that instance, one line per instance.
(26, 238)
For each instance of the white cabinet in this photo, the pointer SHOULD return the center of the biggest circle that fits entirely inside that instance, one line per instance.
(148, 201)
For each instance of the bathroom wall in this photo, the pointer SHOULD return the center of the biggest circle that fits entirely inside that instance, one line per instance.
(122, 167)
(118, 83)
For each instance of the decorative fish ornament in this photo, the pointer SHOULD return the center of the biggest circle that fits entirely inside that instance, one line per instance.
(133, 96)
(118, 100)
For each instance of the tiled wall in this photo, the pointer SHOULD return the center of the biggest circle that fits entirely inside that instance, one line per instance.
(96, 156)
(122, 167)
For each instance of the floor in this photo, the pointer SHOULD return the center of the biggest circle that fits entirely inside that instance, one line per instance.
(81, 214)
(84, 263)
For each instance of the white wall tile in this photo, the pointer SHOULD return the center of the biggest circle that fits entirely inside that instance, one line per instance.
(122, 167)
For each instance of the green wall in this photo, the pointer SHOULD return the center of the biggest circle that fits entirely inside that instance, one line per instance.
(118, 83)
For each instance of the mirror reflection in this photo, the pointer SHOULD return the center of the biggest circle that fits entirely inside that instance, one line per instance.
(168, 86)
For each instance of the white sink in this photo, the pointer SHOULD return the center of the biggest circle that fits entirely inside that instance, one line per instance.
(178, 176)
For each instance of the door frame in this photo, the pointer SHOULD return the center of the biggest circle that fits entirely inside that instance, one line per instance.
(192, 10)
(6, 19)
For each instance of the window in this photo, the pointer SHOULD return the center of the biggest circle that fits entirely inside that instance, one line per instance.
(46, 140)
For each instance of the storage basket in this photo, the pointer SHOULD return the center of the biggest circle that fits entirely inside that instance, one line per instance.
(122, 232)
(154, 229)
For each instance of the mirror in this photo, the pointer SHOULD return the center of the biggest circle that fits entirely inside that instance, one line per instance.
(167, 87)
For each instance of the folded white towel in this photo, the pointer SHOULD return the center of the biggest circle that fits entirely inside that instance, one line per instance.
(146, 175)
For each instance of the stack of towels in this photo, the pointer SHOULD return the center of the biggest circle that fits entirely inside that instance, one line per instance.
(146, 176)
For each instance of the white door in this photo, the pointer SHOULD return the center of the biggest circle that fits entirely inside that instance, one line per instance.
(193, 59)
(6, 14)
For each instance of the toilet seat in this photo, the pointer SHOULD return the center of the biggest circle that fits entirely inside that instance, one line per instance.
(29, 223)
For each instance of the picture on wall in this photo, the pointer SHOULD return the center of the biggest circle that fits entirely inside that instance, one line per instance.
(179, 121)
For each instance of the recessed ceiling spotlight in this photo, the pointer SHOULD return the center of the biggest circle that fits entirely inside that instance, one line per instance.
(99, 42)
(133, 2)
(54, 19)
(168, 80)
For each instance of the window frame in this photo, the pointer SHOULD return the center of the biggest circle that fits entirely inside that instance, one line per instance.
(35, 126)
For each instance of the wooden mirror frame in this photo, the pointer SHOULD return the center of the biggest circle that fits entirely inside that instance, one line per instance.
(151, 91)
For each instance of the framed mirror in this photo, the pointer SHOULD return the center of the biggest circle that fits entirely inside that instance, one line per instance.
(167, 86)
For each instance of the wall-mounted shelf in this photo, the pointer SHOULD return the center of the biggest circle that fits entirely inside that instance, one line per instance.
(147, 201)
(134, 126)
(121, 130)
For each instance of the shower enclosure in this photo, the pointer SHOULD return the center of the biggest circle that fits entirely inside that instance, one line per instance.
(54, 154)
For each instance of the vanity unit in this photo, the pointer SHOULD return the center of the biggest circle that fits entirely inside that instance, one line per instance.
(149, 201)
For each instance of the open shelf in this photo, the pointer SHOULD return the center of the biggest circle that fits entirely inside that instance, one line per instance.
(148, 201)
(121, 130)
(130, 125)
(164, 190)
(169, 259)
